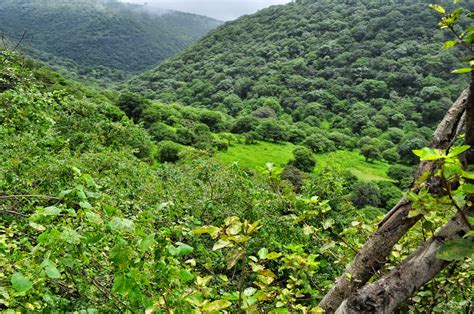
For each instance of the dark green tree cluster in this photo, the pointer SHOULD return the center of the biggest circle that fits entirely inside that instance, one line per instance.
(100, 39)
(367, 75)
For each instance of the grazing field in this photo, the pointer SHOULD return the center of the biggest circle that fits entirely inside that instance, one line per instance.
(258, 154)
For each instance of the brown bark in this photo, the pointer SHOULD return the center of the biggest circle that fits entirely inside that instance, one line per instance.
(385, 294)
(373, 254)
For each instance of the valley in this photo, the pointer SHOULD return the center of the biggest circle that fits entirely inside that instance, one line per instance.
(312, 157)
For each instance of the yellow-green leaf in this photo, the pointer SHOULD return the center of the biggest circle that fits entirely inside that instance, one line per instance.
(233, 257)
(438, 8)
(449, 44)
(221, 244)
(462, 70)
(216, 306)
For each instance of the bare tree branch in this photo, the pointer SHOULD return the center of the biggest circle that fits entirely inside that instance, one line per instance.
(385, 294)
(396, 223)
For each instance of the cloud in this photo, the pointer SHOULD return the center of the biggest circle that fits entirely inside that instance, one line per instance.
(219, 9)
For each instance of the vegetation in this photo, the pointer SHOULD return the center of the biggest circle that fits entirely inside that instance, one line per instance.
(97, 39)
(246, 181)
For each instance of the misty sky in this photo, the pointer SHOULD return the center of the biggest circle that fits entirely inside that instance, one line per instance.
(224, 10)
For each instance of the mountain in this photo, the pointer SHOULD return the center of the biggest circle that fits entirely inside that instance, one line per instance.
(101, 38)
(363, 64)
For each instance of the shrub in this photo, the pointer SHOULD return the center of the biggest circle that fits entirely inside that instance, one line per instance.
(168, 152)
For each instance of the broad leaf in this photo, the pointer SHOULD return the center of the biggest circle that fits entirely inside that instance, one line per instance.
(20, 283)
(216, 306)
(233, 257)
(428, 153)
(221, 244)
(122, 225)
(438, 8)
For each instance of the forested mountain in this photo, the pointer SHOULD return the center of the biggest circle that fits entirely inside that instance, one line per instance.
(269, 169)
(100, 38)
(364, 70)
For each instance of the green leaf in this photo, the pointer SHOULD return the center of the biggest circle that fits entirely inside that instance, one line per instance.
(122, 225)
(85, 205)
(94, 218)
(462, 70)
(221, 244)
(147, 242)
(52, 271)
(273, 255)
(181, 250)
(449, 44)
(216, 306)
(51, 211)
(213, 231)
(36, 226)
(456, 250)
(458, 150)
(438, 8)
(262, 253)
(70, 236)
(234, 256)
(186, 275)
(20, 283)
(427, 153)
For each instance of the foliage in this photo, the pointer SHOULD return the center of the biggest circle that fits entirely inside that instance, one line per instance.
(106, 40)
(303, 159)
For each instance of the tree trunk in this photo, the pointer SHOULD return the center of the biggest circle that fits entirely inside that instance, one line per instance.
(469, 137)
(396, 223)
(385, 294)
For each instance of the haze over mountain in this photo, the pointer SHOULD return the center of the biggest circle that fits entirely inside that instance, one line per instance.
(222, 10)
(100, 38)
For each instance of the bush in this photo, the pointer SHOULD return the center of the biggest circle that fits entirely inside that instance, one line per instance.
(295, 176)
(365, 194)
(391, 155)
(319, 144)
(168, 152)
(370, 152)
(402, 174)
(303, 159)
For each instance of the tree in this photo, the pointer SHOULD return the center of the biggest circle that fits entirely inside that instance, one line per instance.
(391, 155)
(370, 152)
(244, 124)
(132, 104)
(319, 144)
(365, 194)
(271, 129)
(168, 152)
(303, 159)
(352, 293)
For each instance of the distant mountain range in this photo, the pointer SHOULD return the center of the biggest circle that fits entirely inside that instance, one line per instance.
(100, 39)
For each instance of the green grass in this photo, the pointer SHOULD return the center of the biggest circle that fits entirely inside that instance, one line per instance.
(356, 163)
(257, 155)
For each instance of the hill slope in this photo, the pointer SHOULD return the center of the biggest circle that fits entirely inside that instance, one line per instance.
(323, 52)
(105, 34)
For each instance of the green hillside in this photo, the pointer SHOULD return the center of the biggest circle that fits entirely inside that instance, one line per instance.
(96, 38)
(268, 168)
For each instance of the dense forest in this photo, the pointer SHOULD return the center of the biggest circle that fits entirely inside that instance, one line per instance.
(100, 39)
(268, 168)
(339, 76)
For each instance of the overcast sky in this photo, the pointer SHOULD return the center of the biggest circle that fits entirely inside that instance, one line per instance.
(224, 10)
